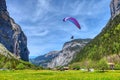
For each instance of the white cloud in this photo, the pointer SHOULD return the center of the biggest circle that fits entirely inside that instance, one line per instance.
(34, 31)
(39, 33)
(85, 8)
(42, 8)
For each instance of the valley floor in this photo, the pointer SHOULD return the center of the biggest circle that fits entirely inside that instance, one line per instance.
(57, 75)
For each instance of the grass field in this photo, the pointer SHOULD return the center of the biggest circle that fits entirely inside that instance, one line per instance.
(57, 75)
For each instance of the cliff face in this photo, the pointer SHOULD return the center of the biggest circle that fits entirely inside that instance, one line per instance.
(68, 52)
(11, 35)
(115, 8)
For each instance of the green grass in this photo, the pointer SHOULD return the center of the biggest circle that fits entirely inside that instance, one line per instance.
(58, 75)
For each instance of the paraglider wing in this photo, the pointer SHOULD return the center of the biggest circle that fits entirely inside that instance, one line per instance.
(73, 20)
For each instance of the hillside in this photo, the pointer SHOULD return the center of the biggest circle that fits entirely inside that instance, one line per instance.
(106, 44)
(9, 61)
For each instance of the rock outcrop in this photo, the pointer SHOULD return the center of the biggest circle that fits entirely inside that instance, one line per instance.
(63, 57)
(68, 52)
(4, 52)
(9, 61)
(11, 35)
(115, 8)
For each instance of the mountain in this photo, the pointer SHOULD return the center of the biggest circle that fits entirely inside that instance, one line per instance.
(105, 45)
(63, 57)
(43, 60)
(11, 34)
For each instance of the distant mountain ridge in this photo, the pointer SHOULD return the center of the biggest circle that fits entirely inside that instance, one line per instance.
(43, 60)
(62, 57)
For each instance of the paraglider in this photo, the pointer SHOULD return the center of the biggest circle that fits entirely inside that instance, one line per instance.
(72, 37)
(73, 20)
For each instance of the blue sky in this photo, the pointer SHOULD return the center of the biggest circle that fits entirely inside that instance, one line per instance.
(41, 21)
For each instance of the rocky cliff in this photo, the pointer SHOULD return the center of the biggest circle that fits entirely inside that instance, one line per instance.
(115, 8)
(4, 52)
(68, 52)
(63, 57)
(11, 35)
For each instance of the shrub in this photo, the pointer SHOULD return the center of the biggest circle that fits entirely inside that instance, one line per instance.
(75, 66)
(7, 65)
(20, 66)
(102, 65)
(117, 67)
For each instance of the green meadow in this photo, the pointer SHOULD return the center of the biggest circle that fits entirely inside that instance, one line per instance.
(58, 75)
